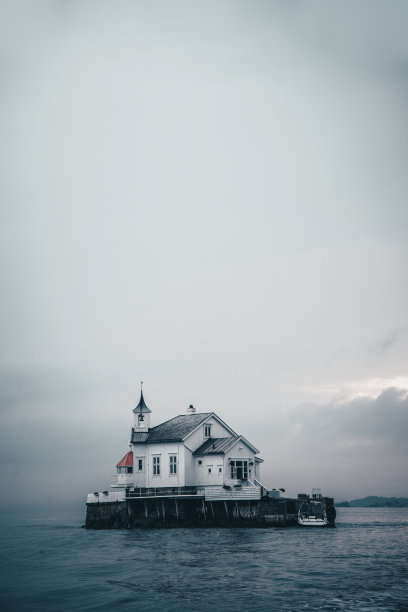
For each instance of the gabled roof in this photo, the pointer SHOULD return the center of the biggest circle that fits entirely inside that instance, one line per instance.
(176, 429)
(215, 446)
(251, 446)
(126, 461)
(139, 436)
(219, 446)
(141, 407)
(220, 421)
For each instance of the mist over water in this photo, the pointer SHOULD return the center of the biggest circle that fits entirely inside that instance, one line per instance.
(48, 563)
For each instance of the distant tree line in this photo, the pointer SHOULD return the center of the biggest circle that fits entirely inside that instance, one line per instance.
(374, 501)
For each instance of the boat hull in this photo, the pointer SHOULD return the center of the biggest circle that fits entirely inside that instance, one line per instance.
(312, 521)
(312, 513)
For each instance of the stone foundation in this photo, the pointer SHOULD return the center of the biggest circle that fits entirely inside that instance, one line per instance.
(172, 512)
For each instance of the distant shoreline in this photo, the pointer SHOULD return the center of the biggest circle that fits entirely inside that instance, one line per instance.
(375, 501)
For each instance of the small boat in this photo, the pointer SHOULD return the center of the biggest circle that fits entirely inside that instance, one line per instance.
(312, 510)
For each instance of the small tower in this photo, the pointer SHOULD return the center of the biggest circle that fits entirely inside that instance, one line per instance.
(142, 415)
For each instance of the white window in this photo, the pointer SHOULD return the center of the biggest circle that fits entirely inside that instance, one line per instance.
(209, 468)
(124, 470)
(156, 465)
(200, 462)
(219, 470)
(239, 469)
(139, 464)
(207, 431)
(173, 464)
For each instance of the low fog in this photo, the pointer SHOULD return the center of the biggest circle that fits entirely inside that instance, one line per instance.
(209, 197)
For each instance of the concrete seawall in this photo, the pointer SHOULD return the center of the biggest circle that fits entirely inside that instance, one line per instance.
(176, 512)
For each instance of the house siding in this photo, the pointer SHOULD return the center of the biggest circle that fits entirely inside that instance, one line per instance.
(163, 451)
(214, 470)
(202, 475)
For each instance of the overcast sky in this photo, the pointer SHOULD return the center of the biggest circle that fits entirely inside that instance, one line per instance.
(210, 197)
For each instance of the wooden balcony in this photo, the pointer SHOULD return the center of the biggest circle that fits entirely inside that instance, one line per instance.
(226, 492)
(149, 492)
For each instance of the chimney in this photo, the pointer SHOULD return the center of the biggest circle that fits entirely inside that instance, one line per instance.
(191, 409)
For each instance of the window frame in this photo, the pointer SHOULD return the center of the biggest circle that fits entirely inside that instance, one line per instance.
(124, 469)
(173, 464)
(155, 465)
(243, 465)
(207, 428)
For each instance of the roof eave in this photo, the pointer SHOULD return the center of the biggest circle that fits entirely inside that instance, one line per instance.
(211, 414)
(245, 441)
(141, 409)
(163, 440)
(208, 453)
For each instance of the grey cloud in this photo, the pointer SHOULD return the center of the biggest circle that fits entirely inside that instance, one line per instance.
(212, 197)
(384, 417)
(352, 446)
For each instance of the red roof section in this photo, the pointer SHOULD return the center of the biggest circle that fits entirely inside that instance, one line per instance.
(127, 460)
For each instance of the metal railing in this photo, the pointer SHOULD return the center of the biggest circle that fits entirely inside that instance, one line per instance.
(105, 496)
(163, 492)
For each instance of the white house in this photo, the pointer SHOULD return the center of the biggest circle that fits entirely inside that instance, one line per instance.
(194, 453)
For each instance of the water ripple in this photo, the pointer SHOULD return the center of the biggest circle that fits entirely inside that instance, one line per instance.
(51, 564)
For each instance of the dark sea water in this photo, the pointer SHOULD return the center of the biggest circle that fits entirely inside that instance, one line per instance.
(49, 563)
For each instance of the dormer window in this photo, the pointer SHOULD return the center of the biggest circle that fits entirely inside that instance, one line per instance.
(207, 431)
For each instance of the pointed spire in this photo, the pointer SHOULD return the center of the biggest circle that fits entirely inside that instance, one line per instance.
(141, 407)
